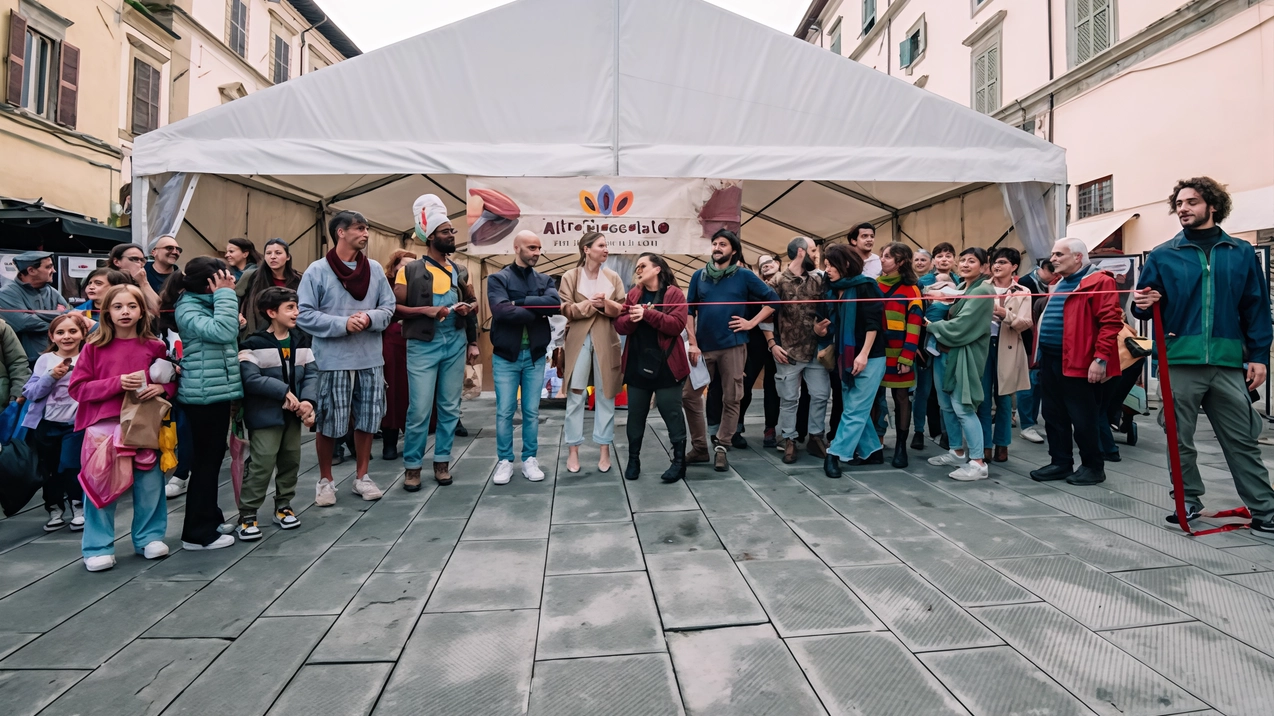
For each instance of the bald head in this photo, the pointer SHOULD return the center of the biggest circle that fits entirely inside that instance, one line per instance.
(526, 248)
(1069, 255)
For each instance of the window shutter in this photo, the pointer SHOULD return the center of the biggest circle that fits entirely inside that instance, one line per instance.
(904, 53)
(145, 97)
(17, 58)
(1083, 30)
(992, 79)
(68, 86)
(979, 84)
(1101, 26)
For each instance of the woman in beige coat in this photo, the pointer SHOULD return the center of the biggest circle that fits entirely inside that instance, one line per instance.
(592, 297)
(1008, 362)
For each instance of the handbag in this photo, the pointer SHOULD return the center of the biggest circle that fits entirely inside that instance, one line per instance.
(827, 357)
(1131, 347)
(19, 479)
(140, 421)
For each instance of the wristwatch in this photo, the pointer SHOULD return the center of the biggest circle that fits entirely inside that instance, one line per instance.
(1100, 361)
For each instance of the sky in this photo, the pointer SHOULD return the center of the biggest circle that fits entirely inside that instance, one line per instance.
(376, 23)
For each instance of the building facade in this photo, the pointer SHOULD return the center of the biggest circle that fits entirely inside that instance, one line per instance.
(1141, 93)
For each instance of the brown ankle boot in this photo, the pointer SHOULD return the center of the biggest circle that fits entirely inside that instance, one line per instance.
(441, 473)
(986, 454)
(816, 446)
(698, 454)
(411, 480)
(789, 451)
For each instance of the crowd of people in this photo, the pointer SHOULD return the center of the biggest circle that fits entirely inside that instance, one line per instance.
(958, 341)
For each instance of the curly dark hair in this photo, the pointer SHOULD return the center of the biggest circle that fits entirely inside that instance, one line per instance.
(1213, 193)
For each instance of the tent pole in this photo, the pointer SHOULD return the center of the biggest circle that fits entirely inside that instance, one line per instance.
(141, 205)
(772, 203)
(615, 142)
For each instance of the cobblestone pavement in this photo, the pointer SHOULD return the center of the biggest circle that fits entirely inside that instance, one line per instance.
(767, 589)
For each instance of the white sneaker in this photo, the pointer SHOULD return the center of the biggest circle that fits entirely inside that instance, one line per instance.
(949, 458)
(531, 470)
(56, 522)
(324, 493)
(100, 563)
(1032, 435)
(503, 471)
(220, 543)
(155, 550)
(77, 515)
(970, 472)
(368, 489)
(176, 487)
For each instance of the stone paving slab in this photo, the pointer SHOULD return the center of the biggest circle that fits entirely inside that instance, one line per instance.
(1233, 609)
(877, 518)
(919, 615)
(252, 672)
(424, 546)
(999, 500)
(502, 574)
(804, 597)
(10, 642)
(1226, 674)
(961, 576)
(228, 606)
(1263, 583)
(649, 495)
(328, 585)
(1093, 598)
(634, 685)
(696, 590)
(1180, 546)
(378, 620)
(664, 532)
(142, 679)
(741, 671)
(838, 542)
(728, 498)
(26, 692)
(999, 681)
(455, 502)
(766, 536)
(1103, 549)
(591, 503)
(603, 547)
(1104, 677)
(585, 615)
(794, 502)
(33, 561)
(508, 517)
(332, 690)
(848, 671)
(63, 594)
(476, 664)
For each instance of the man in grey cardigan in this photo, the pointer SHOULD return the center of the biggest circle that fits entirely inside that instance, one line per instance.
(346, 303)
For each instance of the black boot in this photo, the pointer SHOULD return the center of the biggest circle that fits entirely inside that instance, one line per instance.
(390, 449)
(633, 470)
(461, 432)
(831, 466)
(918, 441)
(677, 470)
(900, 453)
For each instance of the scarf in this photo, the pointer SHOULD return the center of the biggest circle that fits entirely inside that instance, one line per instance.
(846, 321)
(715, 274)
(355, 280)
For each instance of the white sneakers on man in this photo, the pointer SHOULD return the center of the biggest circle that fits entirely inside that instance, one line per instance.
(221, 542)
(948, 459)
(1032, 435)
(155, 550)
(324, 493)
(367, 489)
(970, 472)
(100, 563)
(503, 471)
(176, 487)
(531, 470)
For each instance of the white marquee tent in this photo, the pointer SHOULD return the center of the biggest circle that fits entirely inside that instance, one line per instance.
(630, 88)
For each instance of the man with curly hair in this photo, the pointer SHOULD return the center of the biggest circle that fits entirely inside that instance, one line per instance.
(1216, 315)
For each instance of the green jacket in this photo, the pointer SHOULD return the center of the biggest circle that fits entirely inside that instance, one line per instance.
(967, 332)
(15, 369)
(209, 328)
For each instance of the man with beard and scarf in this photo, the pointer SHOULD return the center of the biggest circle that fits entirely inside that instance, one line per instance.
(718, 333)
(345, 304)
(1215, 307)
(437, 304)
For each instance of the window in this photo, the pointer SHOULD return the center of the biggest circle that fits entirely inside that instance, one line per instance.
(146, 84)
(38, 73)
(282, 61)
(869, 15)
(976, 5)
(1028, 126)
(913, 45)
(1092, 24)
(986, 77)
(1096, 197)
(42, 72)
(836, 36)
(237, 26)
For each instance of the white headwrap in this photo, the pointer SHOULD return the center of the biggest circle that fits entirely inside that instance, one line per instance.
(430, 214)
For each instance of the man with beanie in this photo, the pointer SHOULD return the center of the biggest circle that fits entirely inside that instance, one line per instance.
(345, 304)
(521, 301)
(1215, 307)
(439, 310)
(33, 291)
(718, 329)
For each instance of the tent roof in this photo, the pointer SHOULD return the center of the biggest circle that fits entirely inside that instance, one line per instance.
(661, 88)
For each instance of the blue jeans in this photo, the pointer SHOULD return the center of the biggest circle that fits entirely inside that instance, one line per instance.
(603, 416)
(920, 399)
(963, 427)
(1028, 404)
(1003, 404)
(435, 374)
(854, 432)
(150, 516)
(528, 375)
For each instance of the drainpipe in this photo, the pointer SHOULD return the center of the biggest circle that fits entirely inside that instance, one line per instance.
(311, 27)
(1049, 5)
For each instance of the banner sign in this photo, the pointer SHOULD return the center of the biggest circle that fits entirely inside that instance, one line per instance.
(663, 216)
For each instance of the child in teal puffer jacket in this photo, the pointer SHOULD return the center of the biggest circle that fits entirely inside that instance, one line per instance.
(205, 313)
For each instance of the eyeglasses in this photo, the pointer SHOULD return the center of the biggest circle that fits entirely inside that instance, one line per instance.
(171, 249)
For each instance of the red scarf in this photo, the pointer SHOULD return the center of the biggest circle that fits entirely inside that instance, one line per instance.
(355, 280)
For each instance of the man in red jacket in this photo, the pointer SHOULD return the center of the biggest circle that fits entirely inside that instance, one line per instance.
(1085, 319)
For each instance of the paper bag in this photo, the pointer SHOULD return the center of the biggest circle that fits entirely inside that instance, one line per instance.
(139, 421)
(472, 382)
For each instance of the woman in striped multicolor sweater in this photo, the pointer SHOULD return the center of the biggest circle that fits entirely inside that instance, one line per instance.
(904, 316)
